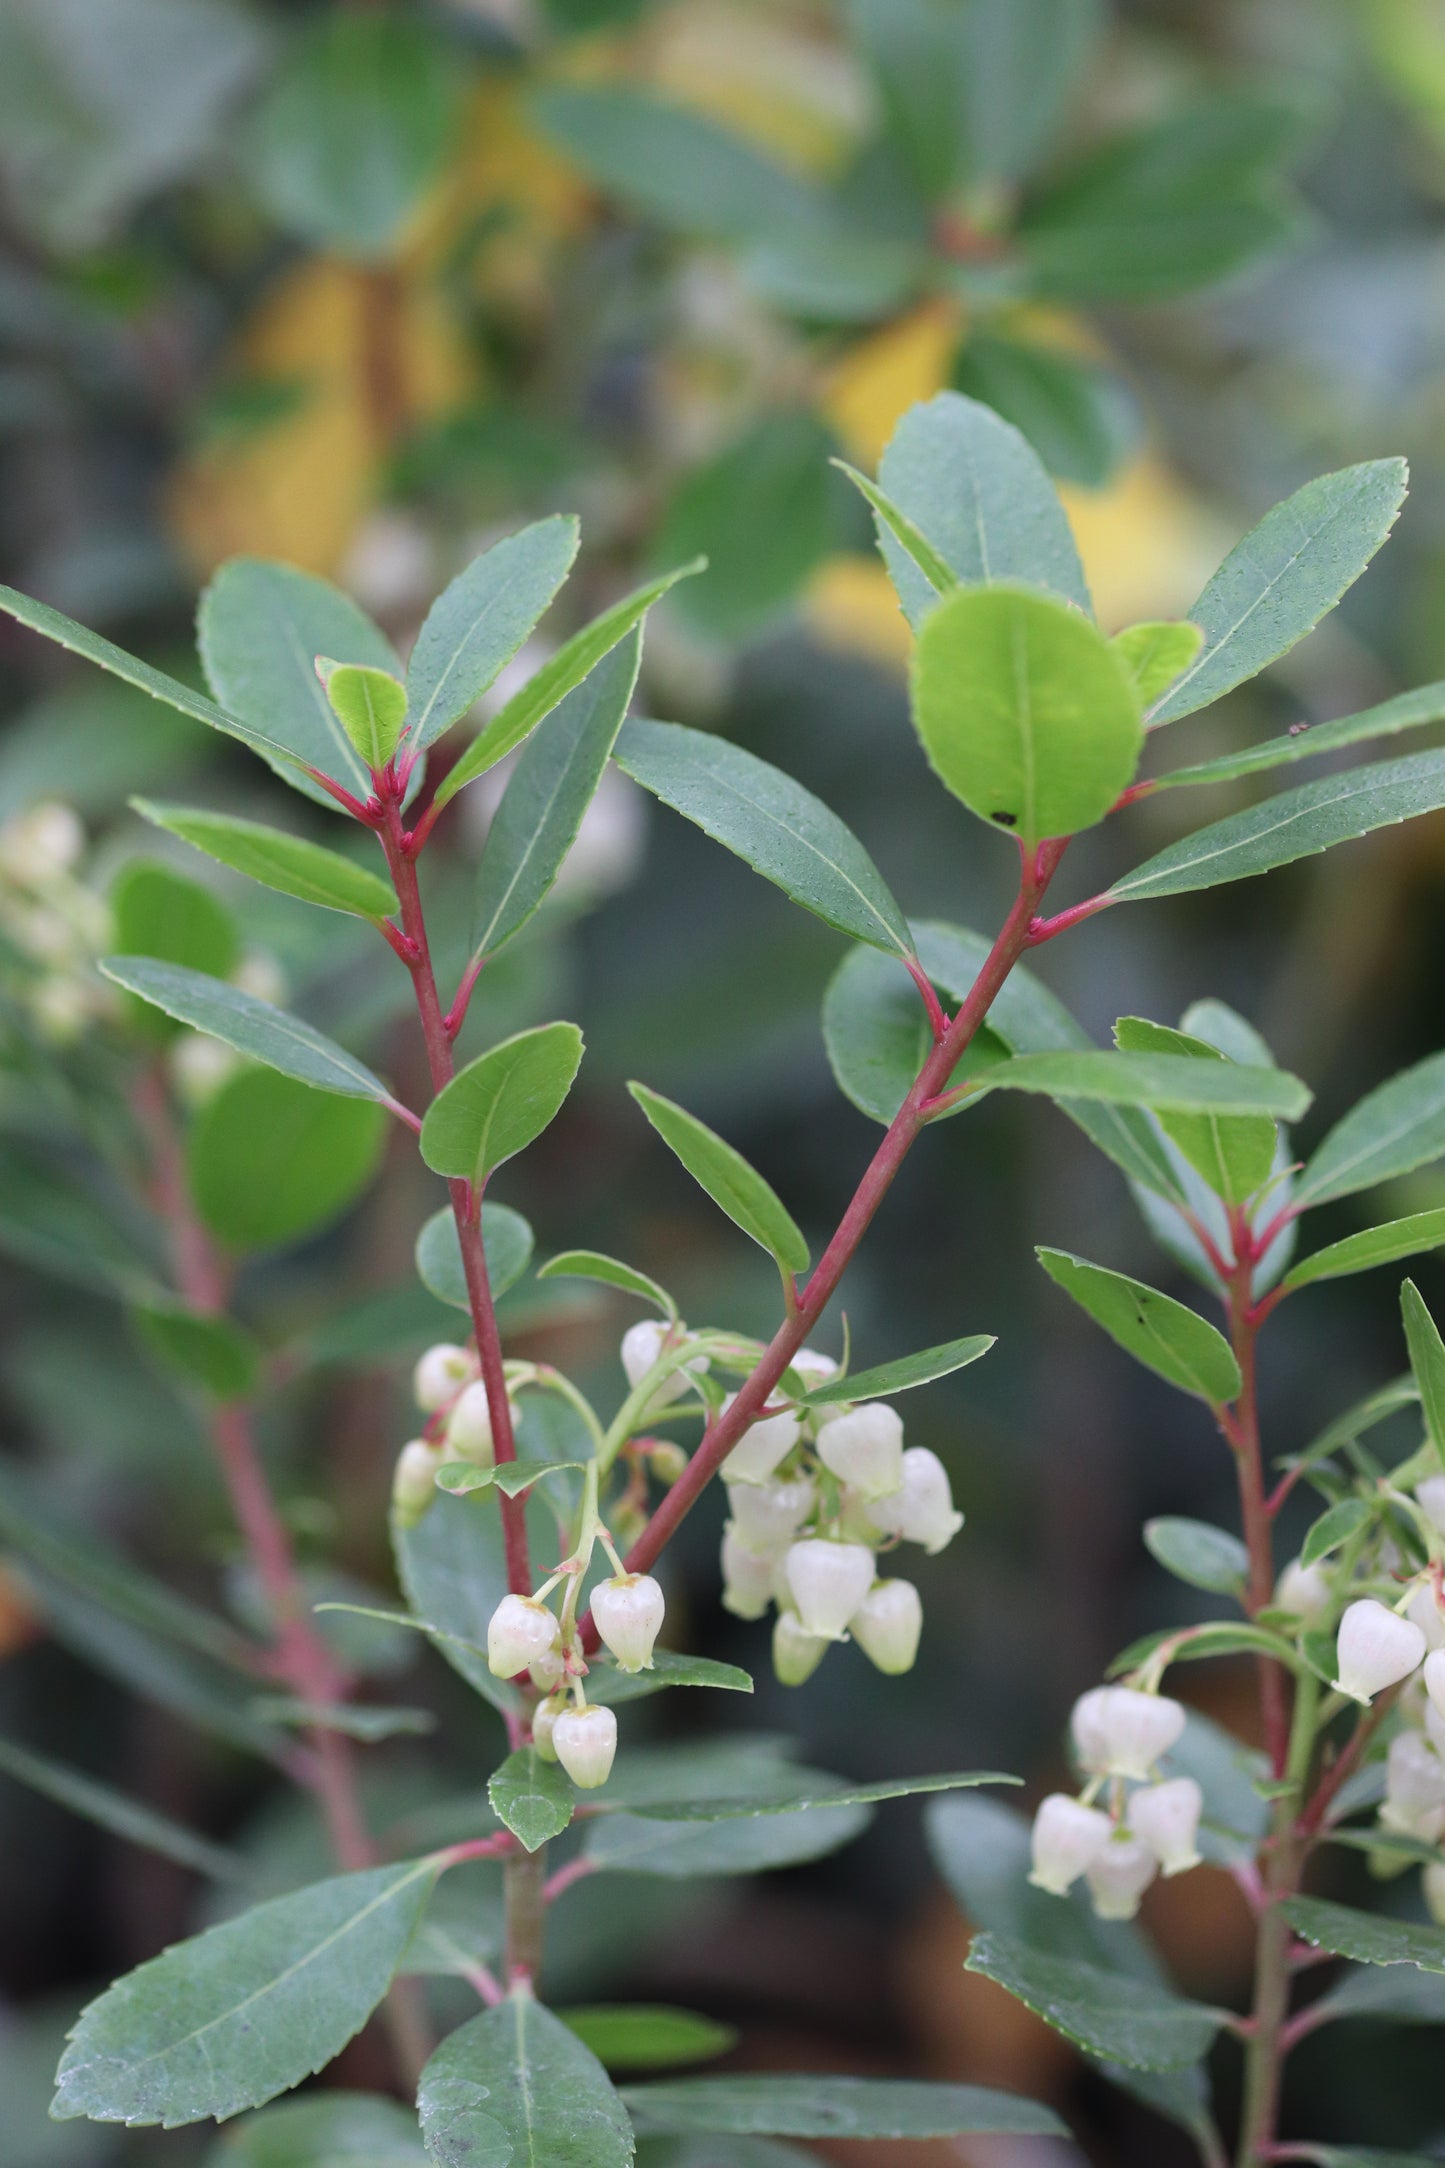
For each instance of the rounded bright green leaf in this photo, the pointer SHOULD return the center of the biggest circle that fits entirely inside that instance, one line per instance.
(370, 706)
(632, 2036)
(271, 1160)
(494, 1107)
(290, 864)
(506, 1238)
(1154, 655)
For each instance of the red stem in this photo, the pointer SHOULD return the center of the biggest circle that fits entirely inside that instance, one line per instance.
(1243, 1435)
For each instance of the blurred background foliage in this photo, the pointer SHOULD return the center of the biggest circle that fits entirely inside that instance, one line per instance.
(362, 289)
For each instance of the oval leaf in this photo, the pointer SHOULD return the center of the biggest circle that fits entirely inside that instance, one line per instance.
(270, 1160)
(1195, 1552)
(506, 1238)
(516, 2089)
(1155, 1329)
(1126, 2021)
(740, 1191)
(477, 624)
(831, 2107)
(284, 862)
(645, 2037)
(499, 1103)
(1374, 1246)
(908, 1371)
(532, 1797)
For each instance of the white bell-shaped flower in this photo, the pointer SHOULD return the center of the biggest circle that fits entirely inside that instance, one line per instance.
(1119, 1877)
(1432, 1883)
(544, 1719)
(796, 1653)
(1304, 1591)
(767, 1516)
(628, 1610)
(440, 1375)
(747, 1577)
(1376, 1648)
(1434, 1676)
(1134, 1729)
(1067, 1838)
(887, 1625)
(827, 1582)
(813, 1367)
(921, 1509)
(1414, 1788)
(585, 1743)
(469, 1427)
(519, 1631)
(864, 1449)
(1086, 1730)
(1430, 1498)
(1165, 1817)
(762, 1448)
(1426, 1613)
(414, 1484)
(642, 1345)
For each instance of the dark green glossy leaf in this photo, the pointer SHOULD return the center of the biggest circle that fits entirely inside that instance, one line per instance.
(477, 624)
(1157, 1331)
(516, 2089)
(734, 1186)
(499, 1103)
(1366, 1936)
(280, 861)
(669, 1668)
(1134, 2022)
(833, 2107)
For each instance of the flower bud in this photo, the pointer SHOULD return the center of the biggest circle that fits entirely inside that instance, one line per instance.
(1434, 1675)
(1086, 1729)
(469, 1427)
(544, 1719)
(1131, 1730)
(198, 1065)
(747, 1577)
(767, 1516)
(887, 1625)
(864, 1449)
(520, 1630)
(642, 1345)
(414, 1485)
(440, 1375)
(1376, 1648)
(628, 1612)
(1430, 1498)
(1426, 1613)
(1165, 1817)
(1304, 1591)
(261, 976)
(828, 1581)
(41, 844)
(796, 1653)
(1119, 1877)
(1414, 1788)
(548, 1670)
(1067, 1838)
(585, 1743)
(1432, 1882)
(762, 1447)
(921, 1510)
(667, 1460)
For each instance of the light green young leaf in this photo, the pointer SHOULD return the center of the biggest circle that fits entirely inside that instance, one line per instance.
(369, 704)
(1395, 1128)
(901, 1376)
(1193, 1551)
(270, 1160)
(1427, 1361)
(1157, 1331)
(130, 1819)
(172, 919)
(642, 2036)
(1286, 575)
(1165, 1083)
(1025, 712)
(1234, 1157)
(324, 2130)
(837, 2108)
(532, 1797)
(1296, 824)
(289, 864)
(500, 1102)
(1155, 654)
(253, 1027)
(555, 780)
(592, 1265)
(1366, 1936)
(516, 2089)
(781, 830)
(1134, 2022)
(248, 2009)
(935, 568)
(200, 1348)
(1407, 711)
(477, 624)
(1373, 1246)
(738, 1189)
(977, 490)
(506, 1238)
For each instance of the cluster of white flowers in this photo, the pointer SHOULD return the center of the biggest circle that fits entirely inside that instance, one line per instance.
(448, 1389)
(1128, 1824)
(55, 925)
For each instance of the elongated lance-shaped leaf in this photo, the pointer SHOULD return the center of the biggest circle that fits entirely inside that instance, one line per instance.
(836, 1795)
(476, 625)
(612, 1272)
(555, 780)
(903, 1375)
(560, 675)
(1233, 1154)
(500, 1102)
(1393, 1129)
(977, 490)
(1427, 1361)
(780, 829)
(1156, 1330)
(290, 864)
(740, 1191)
(1163, 1081)
(1141, 2025)
(130, 1819)
(248, 2009)
(516, 2089)
(252, 1026)
(935, 567)
(832, 2107)
(1407, 711)
(1366, 1936)
(1285, 575)
(1297, 824)
(1372, 1246)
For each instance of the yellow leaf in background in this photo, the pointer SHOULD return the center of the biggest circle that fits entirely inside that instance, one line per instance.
(1148, 543)
(512, 193)
(851, 604)
(869, 391)
(801, 98)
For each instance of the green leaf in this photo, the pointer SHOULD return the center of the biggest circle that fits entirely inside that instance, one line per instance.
(748, 1844)
(1195, 1552)
(806, 1800)
(669, 1668)
(498, 1104)
(1286, 575)
(1405, 712)
(57, 1224)
(1193, 1644)
(560, 675)
(270, 1161)
(878, 1036)
(1079, 418)
(247, 2010)
(510, 1477)
(253, 1027)
(284, 862)
(370, 706)
(935, 568)
(161, 914)
(592, 1265)
(832, 2107)
(836, 278)
(1233, 1157)
(1427, 1361)
(477, 624)
(324, 2130)
(781, 830)
(642, 2036)
(532, 1797)
(129, 1819)
(1297, 824)
(1162, 1082)
(1024, 710)
(1134, 2022)
(213, 1352)
(353, 130)
(555, 780)
(1333, 1528)
(1395, 1128)
(1385, 1992)
(357, 1720)
(1374, 1246)
(762, 514)
(1157, 1331)
(1155, 654)
(454, 1571)
(1365, 1936)
(972, 484)
(260, 628)
(734, 1186)
(506, 1238)
(516, 2089)
(900, 1376)
(674, 165)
